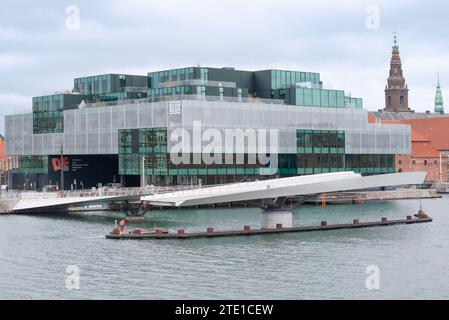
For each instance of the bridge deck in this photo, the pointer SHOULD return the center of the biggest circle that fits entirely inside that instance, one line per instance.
(266, 189)
(285, 187)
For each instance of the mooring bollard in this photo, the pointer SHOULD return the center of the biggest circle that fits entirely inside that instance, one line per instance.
(210, 230)
(384, 219)
(279, 226)
(356, 221)
(181, 231)
(247, 228)
(323, 223)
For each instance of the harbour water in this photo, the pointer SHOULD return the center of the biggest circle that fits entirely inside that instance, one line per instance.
(413, 261)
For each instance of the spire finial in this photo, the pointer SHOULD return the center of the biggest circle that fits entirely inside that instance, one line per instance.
(395, 37)
(439, 106)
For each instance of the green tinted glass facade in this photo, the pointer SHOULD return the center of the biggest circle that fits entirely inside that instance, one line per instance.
(109, 83)
(283, 79)
(135, 144)
(33, 164)
(48, 111)
(151, 143)
(48, 114)
(356, 103)
(195, 81)
(370, 163)
(157, 79)
(318, 97)
(155, 94)
(225, 165)
(320, 151)
(117, 96)
(98, 84)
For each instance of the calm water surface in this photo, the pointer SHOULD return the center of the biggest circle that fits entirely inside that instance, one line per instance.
(413, 260)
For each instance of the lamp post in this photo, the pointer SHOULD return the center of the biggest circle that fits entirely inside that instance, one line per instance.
(142, 178)
(62, 169)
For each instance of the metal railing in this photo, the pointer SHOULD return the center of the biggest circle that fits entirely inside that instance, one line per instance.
(179, 97)
(198, 82)
(100, 192)
(134, 89)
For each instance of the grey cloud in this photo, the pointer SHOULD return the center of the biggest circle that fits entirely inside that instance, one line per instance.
(38, 55)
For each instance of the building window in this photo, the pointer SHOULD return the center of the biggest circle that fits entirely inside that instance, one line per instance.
(240, 95)
(425, 162)
(400, 162)
(201, 92)
(414, 162)
(389, 101)
(401, 101)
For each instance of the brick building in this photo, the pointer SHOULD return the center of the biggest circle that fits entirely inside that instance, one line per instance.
(429, 131)
(430, 140)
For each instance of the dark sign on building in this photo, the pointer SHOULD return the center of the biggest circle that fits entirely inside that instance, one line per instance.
(84, 171)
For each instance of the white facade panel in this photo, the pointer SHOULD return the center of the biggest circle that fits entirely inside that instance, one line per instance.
(95, 130)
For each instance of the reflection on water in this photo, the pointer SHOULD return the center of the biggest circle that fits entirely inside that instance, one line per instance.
(36, 249)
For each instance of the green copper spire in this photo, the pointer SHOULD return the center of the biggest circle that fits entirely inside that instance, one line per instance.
(439, 107)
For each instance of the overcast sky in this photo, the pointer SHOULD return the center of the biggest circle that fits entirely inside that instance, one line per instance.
(42, 50)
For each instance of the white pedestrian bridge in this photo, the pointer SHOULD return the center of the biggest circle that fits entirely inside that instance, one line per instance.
(284, 187)
(247, 191)
(18, 202)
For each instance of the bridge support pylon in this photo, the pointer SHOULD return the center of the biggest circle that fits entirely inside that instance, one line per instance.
(135, 214)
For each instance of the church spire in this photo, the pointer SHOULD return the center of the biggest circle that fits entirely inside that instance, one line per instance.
(395, 47)
(439, 106)
(396, 91)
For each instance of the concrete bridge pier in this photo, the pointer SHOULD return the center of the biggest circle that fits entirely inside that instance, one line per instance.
(272, 218)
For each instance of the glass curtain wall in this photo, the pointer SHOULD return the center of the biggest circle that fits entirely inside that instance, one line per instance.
(48, 114)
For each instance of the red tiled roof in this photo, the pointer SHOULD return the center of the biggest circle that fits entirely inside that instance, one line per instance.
(417, 137)
(429, 136)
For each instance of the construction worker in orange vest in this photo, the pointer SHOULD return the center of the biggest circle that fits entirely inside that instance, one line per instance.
(122, 226)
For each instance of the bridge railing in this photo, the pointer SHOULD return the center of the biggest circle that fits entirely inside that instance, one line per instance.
(100, 192)
(107, 192)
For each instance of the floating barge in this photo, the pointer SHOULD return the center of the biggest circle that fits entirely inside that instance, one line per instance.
(138, 234)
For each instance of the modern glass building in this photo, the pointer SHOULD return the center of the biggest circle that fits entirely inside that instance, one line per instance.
(114, 127)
